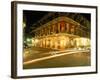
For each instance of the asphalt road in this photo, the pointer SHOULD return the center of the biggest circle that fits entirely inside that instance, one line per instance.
(49, 58)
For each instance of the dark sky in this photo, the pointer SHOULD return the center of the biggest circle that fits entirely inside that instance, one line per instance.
(33, 16)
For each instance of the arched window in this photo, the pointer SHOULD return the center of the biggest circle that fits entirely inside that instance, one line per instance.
(62, 26)
(58, 28)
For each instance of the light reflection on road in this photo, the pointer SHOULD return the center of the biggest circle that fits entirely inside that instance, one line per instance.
(35, 56)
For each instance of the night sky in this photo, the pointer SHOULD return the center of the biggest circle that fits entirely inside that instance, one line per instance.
(32, 17)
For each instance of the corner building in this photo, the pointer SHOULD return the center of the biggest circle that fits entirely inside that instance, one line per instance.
(61, 33)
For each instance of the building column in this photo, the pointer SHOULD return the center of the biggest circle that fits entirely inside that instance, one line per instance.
(72, 29)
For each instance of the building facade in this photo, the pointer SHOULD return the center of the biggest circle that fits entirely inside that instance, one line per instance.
(61, 33)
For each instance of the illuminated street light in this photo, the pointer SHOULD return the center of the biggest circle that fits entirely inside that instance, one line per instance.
(28, 40)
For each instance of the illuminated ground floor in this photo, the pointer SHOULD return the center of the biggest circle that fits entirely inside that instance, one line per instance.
(61, 41)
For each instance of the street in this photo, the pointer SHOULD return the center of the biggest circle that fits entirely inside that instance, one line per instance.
(51, 58)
